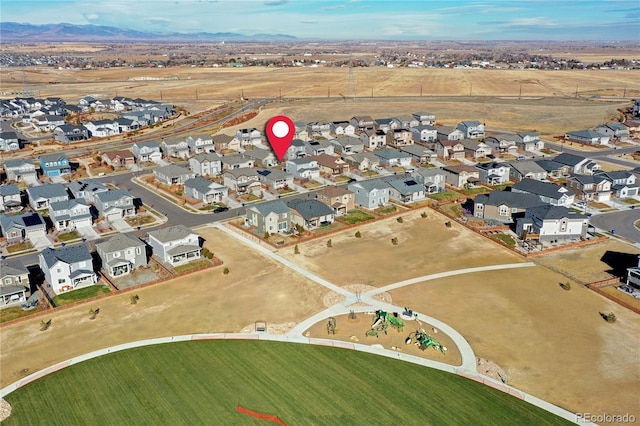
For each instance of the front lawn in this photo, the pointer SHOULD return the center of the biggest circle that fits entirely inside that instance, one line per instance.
(355, 216)
(68, 236)
(26, 245)
(80, 294)
(140, 220)
(630, 201)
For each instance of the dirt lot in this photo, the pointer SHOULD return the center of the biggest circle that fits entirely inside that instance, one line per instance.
(426, 246)
(203, 302)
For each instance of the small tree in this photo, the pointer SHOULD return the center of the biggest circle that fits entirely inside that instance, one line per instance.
(329, 244)
(266, 235)
(225, 271)
(358, 234)
(566, 286)
(134, 299)
(296, 250)
(400, 219)
(394, 241)
(608, 317)
(423, 215)
(447, 224)
(44, 325)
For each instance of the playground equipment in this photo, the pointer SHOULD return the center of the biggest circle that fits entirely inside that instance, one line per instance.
(424, 341)
(383, 321)
(331, 326)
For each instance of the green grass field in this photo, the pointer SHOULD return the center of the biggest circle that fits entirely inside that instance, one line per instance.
(202, 382)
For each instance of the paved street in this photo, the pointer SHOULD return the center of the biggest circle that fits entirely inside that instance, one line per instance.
(621, 222)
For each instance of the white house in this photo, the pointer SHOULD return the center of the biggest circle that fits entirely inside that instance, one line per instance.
(175, 245)
(67, 268)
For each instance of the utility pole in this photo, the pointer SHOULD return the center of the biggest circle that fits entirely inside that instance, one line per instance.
(520, 95)
(470, 89)
(421, 90)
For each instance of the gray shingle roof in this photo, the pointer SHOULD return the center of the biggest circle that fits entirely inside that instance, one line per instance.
(512, 199)
(10, 189)
(390, 154)
(370, 185)
(47, 191)
(554, 212)
(88, 185)
(569, 159)
(11, 268)
(49, 158)
(17, 164)
(148, 144)
(550, 190)
(171, 233)
(172, 171)
(405, 186)
(310, 209)
(210, 156)
(277, 206)
(119, 242)
(200, 184)
(112, 195)
(527, 166)
(68, 204)
(69, 255)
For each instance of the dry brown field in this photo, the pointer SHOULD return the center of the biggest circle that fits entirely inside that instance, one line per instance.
(257, 288)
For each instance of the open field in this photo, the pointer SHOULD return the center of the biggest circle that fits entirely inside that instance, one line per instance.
(206, 301)
(426, 246)
(202, 382)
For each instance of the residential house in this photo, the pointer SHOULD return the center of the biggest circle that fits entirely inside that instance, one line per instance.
(462, 176)
(391, 158)
(590, 187)
(343, 128)
(373, 138)
(449, 133)
(405, 189)
(433, 179)
(420, 154)
(633, 276)
(205, 191)
(10, 198)
(387, 124)
(301, 132)
(9, 141)
(118, 159)
(275, 179)
(362, 122)
(206, 164)
(122, 254)
(54, 165)
(526, 169)
(126, 125)
(494, 173)
(399, 137)
(70, 214)
(347, 145)
(146, 151)
(503, 144)
(14, 283)
(115, 204)
(18, 228)
(317, 147)
(424, 133)
(407, 121)
(250, 136)
(578, 165)
(310, 214)
(224, 143)
(41, 197)
(623, 183)
(551, 224)
(529, 141)
(331, 165)
(175, 245)
(362, 161)
(243, 181)
(68, 133)
(613, 130)
(199, 144)
(553, 169)
(504, 206)
(236, 161)
(67, 268)
(425, 118)
(319, 129)
(370, 194)
(475, 149)
(297, 149)
(341, 200)
(588, 137)
(21, 171)
(450, 149)
(303, 168)
(175, 147)
(86, 189)
(102, 128)
(471, 129)
(262, 157)
(272, 217)
(173, 174)
(550, 193)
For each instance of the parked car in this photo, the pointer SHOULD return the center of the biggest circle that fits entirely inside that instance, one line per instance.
(220, 209)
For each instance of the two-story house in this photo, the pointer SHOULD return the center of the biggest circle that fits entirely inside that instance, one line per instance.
(623, 183)
(577, 164)
(319, 129)
(69, 133)
(362, 161)
(21, 171)
(102, 128)
(243, 181)
(504, 206)
(433, 179)
(450, 149)
(199, 144)
(147, 151)
(67, 268)
(391, 158)
(343, 128)
(70, 214)
(373, 138)
(552, 224)
(272, 217)
(317, 147)
(471, 129)
(462, 175)
(250, 136)
(362, 121)
(206, 191)
(122, 254)
(526, 169)
(206, 164)
(9, 141)
(14, 283)
(175, 147)
(550, 193)
(347, 145)
(494, 173)
(275, 179)
(303, 168)
(173, 174)
(223, 143)
(420, 154)
(613, 130)
(239, 161)
(590, 187)
(10, 198)
(399, 137)
(503, 144)
(370, 194)
(115, 204)
(424, 133)
(86, 189)
(40, 197)
(54, 165)
(175, 245)
(331, 165)
(529, 141)
(310, 214)
(474, 149)
(118, 159)
(425, 118)
(405, 189)
(340, 199)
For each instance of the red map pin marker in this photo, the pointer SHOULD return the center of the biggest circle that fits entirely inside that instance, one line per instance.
(280, 131)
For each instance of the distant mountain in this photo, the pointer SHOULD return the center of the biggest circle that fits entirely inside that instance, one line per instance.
(25, 32)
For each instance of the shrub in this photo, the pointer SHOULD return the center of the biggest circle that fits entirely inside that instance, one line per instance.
(566, 286)
(225, 271)
(207, 253)
(394, 241)
(447, 224)
(44, 325)
(266, 235)
(296, 250)
(423, 215)
(134, 299)
(608, 317)
(358, 234)
(400, 219)
(329, 243)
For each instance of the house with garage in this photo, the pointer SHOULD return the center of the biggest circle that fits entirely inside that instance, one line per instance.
(115, 204)
(331, 165)
(362, 122)
(553, 169)
(504, 206)
(424, 133)
(41, 197)
(173, 174)
(118, 159)
(450, 149)
(303, 168)
(340, 199)
(310, 214)
(420, 154)
(407, 121)
(297, 149)
(387, 124)
(251, 136)
(205, 191)
(147, 151)
(262, 157)
(301, 132)
(21, 171)
(474, 149)
(102, 128)
(462, 176)
(243, 181)
(577, 164)
(550, 193)
(529, 141)
(623, 183)
(448, 133)
(275, 179)
(209, 164)
(199, 144)
(70, 214)
(175, 148)
(613, 130)
(405, 189)
(317, 147)
(126, 125)
(526, 169)
(175, 245)
(67, 268)
(471, 129)
(9, 141)
(10, 198)
(19, 228)
(223, 143)
(503, 144)
(69, 133)
(493, 173)
(370, 194)
(272, 217)
(54, 165)
(373, 138)
(362, 161)
(552, 224)
(433, 179)
(236, 161)
(588, 136)
(121, 254)
(590, 187)
(343, 128)
(14, 283)
(425, 118)
(86, 189)
(347, 145)
(389, 157)
(399, 137)
(319, 129)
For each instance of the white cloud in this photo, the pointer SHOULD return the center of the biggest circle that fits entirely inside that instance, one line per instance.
(92, 16)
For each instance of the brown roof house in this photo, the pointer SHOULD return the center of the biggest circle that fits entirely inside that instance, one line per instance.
(117, 159)
(340, 199)
(462, 175)
(331, 165)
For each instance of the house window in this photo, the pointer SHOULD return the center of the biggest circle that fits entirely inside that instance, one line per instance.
(503, 211)
(282, 226)
(138, 250)
(62, 280)
(116, 254)
(59, 270)
(7, 281)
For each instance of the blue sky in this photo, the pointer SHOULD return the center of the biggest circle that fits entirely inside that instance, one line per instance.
(350, 19)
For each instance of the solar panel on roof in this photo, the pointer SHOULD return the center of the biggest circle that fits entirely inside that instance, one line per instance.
(411, 183)
(32, 220)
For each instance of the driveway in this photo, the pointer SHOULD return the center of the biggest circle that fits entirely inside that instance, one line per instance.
(40, 242)
(88, 232)
(121, 226)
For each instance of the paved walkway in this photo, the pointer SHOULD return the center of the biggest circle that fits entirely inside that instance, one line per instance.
(88, 232)
(121, 226)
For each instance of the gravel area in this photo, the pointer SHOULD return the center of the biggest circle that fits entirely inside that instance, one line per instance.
(333, 298)
(5, 409)
(491, 369)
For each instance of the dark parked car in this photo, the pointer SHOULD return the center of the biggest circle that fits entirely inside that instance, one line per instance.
(220, 209)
